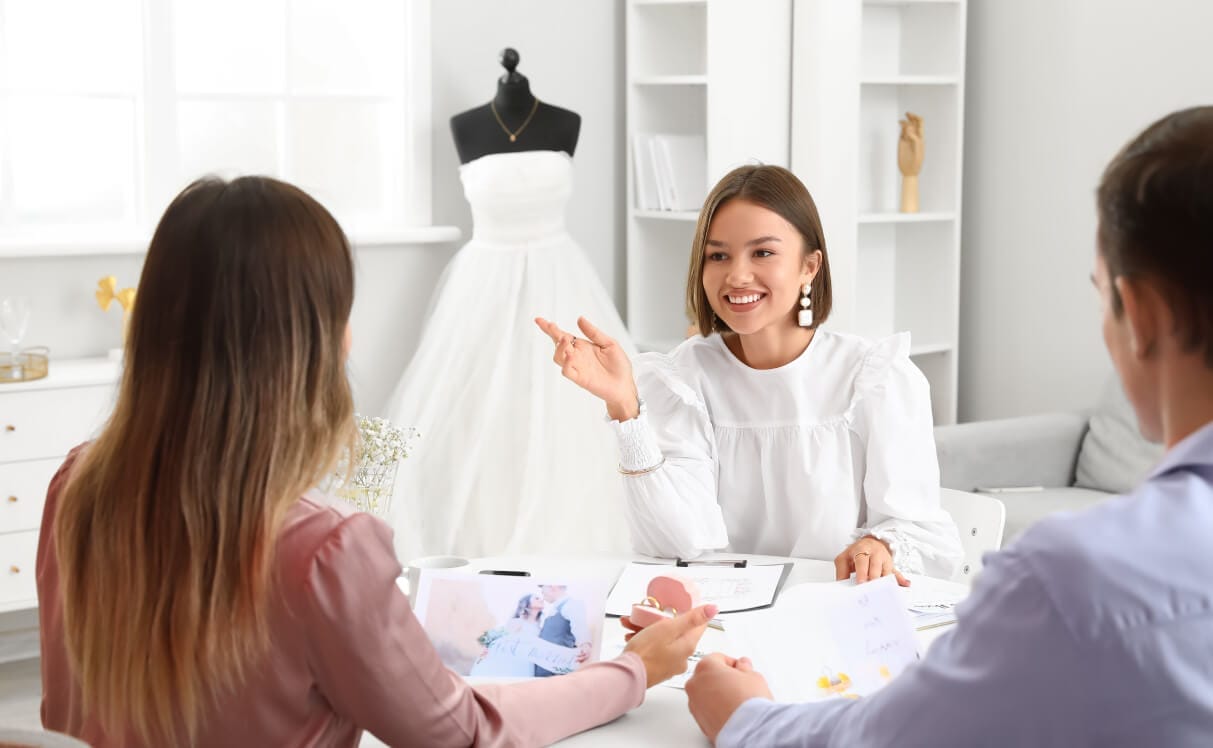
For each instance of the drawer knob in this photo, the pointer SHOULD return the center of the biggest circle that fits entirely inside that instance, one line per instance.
(9, 427)
(14, 570)
(12, 499)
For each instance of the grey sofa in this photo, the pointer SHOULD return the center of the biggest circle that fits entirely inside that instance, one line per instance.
(1051, 462)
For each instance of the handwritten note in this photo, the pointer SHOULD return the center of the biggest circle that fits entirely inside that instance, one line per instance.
(828, 640)
(874, 633)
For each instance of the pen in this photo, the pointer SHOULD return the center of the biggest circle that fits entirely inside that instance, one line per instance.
(927, 627)
(717, 624)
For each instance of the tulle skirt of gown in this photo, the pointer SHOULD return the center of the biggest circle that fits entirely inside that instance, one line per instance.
(512, 458)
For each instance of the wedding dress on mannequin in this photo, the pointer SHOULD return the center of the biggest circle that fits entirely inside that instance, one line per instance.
(512, 458)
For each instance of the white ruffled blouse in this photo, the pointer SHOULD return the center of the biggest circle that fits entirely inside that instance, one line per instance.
(800, 460)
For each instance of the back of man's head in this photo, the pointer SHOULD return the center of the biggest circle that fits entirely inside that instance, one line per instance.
(1155, 204)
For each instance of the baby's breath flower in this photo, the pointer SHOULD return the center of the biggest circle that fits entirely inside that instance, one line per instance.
(381, 447)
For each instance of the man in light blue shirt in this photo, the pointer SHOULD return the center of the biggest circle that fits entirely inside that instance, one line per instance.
(1093, 628)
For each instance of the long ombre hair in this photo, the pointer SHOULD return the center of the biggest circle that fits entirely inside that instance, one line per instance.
(232, 403)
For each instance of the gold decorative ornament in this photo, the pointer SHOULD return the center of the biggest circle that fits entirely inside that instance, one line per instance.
(107, 293)
(514, 135)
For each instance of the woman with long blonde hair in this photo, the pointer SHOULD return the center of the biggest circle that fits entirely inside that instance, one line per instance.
(194, 589)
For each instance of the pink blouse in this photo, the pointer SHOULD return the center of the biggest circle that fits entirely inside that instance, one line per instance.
(346, 655)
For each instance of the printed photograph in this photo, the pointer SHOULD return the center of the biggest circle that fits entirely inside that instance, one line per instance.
(488, 626)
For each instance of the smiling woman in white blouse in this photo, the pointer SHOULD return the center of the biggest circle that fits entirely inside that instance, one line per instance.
(765, 433)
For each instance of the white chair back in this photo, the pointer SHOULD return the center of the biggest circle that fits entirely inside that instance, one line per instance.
(980, 519)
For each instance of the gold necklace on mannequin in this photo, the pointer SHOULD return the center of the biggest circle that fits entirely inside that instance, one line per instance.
(514, 135)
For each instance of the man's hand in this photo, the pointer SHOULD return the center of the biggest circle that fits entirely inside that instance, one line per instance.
(719, 686)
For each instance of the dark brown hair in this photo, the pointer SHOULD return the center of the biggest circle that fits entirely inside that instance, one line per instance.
(1155, 204)
(778, 190)
(233, 402)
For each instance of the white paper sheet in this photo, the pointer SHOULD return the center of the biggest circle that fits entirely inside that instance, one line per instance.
(874, 634)
(828, 639)
(932, 602)
(729, 588)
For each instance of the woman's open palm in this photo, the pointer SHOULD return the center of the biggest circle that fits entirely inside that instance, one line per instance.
(598, 365)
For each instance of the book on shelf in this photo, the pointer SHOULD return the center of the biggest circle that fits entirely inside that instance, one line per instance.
(670, 171)
(645, 176)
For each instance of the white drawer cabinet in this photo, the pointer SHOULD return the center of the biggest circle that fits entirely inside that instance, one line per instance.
(23, 491)
(18, 552)
(48, 423)
(40, 422)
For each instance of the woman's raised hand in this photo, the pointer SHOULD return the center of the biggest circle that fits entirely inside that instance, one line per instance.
(597, 364)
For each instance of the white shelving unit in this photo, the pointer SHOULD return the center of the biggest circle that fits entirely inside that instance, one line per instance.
(687, 73)
(864, 65)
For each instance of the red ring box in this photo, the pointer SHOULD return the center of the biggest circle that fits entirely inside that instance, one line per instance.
(668, 595)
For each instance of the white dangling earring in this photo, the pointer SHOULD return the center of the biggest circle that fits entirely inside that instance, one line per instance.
(805, 318)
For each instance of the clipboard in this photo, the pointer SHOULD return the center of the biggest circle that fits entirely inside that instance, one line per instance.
(734, 585)
(736, 563)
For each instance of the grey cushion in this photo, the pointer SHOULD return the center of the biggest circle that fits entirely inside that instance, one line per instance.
(1114, 455)
(1027, 507)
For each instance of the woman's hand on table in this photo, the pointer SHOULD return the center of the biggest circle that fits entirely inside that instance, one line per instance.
(719, 686)
(869, 558)
(665, 646)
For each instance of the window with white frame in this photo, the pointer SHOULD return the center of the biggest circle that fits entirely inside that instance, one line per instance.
(109, 107)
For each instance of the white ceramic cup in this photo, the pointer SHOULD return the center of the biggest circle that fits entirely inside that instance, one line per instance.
(429, 562)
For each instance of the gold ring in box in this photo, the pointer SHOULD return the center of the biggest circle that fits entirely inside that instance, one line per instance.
(24, 366)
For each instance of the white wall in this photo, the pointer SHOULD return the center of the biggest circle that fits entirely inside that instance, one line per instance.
(573, 55)
(64, 315)
(1053, 90)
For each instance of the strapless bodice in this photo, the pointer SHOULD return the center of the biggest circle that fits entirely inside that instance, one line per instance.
(518, 198)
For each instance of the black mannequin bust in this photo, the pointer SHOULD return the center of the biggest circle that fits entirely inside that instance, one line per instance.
(514, 120)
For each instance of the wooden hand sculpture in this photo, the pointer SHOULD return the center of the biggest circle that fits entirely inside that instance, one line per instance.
(910, 148)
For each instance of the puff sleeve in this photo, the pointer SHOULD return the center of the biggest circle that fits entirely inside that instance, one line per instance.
(892, 416)
(669, 449)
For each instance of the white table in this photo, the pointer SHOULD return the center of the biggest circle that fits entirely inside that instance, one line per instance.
(663, 718)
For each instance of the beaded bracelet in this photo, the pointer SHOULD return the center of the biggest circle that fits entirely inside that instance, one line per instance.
(642, 471)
